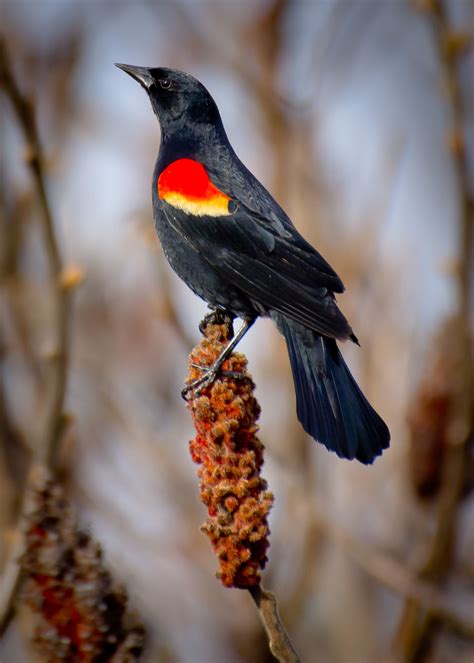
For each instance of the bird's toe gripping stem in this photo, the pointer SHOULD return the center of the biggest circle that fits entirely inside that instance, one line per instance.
(197, 386)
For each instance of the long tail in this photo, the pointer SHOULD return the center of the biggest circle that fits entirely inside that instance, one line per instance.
(329, 403)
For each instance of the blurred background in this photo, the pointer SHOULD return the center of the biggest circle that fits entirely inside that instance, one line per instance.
(359, 118)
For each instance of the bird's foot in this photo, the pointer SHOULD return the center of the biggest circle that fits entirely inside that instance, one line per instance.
(210, 375)
(197, 386)
(211, 372)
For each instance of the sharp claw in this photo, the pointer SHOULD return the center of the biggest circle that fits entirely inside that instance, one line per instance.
(211, 372)
(197, 386)
(184, 393)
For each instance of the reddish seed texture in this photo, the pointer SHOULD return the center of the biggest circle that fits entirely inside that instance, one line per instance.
(230, 454)
(433, 416)
(81, 614)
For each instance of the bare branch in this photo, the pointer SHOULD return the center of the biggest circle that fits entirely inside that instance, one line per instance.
(278, 640)
(46, 447)
(383, 567)
(416, 626)
(394, 575)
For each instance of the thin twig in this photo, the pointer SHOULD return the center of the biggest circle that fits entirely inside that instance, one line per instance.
(11, 576)
(46, 447)
(278, 639)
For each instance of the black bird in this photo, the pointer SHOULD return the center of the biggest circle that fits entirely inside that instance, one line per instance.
(234, 246)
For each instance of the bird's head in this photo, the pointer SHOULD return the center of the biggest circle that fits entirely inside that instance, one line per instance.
(177, 98)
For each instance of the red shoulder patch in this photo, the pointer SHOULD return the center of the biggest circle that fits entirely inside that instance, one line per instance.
(185, 184)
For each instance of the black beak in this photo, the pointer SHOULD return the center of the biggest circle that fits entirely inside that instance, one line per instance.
(140, 74)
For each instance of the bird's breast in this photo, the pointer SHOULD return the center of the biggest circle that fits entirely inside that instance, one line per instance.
(185, 184)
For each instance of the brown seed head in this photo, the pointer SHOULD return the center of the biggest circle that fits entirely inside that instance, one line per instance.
(231, 457)
(81, 612)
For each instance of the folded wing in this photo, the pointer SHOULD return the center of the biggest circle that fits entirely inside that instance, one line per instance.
(278, 269)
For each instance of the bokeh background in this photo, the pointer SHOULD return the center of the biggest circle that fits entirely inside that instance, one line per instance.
(345, 111)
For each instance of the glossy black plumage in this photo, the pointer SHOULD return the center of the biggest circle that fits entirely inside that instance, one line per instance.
(253, 262)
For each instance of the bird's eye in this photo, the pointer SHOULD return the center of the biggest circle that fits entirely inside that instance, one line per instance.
(165, 83)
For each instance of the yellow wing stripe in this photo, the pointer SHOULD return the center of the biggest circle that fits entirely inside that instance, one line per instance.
(217, 205)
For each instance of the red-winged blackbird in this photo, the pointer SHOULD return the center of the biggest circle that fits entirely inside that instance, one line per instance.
(233, 245)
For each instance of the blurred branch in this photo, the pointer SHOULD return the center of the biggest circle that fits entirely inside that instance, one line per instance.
(15, 215)
(46, 448)
(384, 568)
(394, 575)
(278, 640)
(417, 626)
(13, 447)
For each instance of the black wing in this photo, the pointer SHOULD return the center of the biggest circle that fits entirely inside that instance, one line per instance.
(269, 261)
(234, 179)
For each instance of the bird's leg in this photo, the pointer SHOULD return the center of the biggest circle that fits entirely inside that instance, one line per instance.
(211, 372)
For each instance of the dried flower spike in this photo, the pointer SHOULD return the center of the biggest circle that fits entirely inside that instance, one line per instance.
(432, 417)
(231, 456)
(82, 614)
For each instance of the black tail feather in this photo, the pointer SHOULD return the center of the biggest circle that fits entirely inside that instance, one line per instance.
(329, 403)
